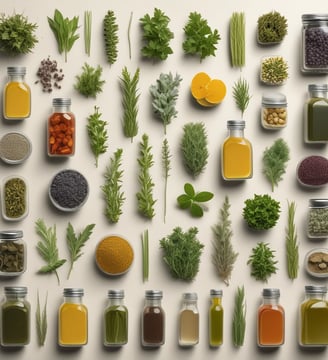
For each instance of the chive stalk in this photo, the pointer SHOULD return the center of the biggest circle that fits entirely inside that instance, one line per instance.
(145, 255)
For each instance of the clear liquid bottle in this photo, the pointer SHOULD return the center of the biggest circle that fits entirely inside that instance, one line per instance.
(236, 154)
(189, 320)
(215, 319)
(16, 95)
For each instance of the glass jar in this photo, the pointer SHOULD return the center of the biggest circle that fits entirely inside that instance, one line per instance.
(315, 43)
(215, 319)
(15, 317)
(236, 154)
(73, 319)
(61, 129)
(189, 320)
(153, 320)
(316, 114)
(115, 320)
(317, 223)
(16, 95)
(270, 320)
(314, 317)
(274, 111)
(12, 253)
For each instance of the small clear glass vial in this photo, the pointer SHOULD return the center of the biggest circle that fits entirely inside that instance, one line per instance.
(16, 95)
(15, 317)
(270, 320)
(313, 315)
(115, 319)
(73, 319)
(61, 129)
(189, 320)
(274, 111)
(314, 43)
(153, 320)
(215, 319)
(12, 253)
(317, 221)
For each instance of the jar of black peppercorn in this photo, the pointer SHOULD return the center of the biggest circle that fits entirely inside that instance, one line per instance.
(315, 43)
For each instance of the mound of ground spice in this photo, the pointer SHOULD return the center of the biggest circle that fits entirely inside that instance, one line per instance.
(313, 171)
(14, 148)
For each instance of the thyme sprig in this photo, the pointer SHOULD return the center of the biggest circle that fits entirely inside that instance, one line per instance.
(292, 250)
(41, 320)
(111, 37)
(239, 318)
(89, 83)
(166, 163)
(240, 93)
(223, 256)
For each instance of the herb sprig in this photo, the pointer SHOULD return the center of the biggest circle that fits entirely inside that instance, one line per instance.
(166, 164)
(41, 320)
(292, 250)
(87, 31)
(89, 83)
(240, 93)
(145, 255)
(111, 37)
(239, 318)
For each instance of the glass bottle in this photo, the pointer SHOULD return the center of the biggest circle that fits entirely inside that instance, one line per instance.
(316, 114)
(270, 320)
(236, 154)
(216, 319)
(12, 253)
(153, 320)
(314, 317)
(274, 111)
(15, 317)
(317, 223)
(314, 43)
(189, 320)
(115, 320)
(16, 95)
(72, 319)
(61, 129)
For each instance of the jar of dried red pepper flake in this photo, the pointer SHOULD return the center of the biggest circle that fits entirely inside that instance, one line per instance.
(61, 129)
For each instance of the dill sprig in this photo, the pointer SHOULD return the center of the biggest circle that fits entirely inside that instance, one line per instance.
(240, 93)
(114, 196)
(87, 31)
(41, 320)
(291, 243)
(130, 97)
(239, 318)
(97, 133)
(166, 163)
(237, 39)
(145, 194)
(111, 37)
(48, 249)
(223, 256)
(76, 242)
(145, 255)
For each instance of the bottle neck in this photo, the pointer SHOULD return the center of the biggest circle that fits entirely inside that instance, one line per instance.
(115, 302)
(270, 301)
(153, 302)
(73, 299)
(61, 108)
(318, 94)
(317, 296)
(216, 300)
(16, 78)
(236, 132)
(15, 297)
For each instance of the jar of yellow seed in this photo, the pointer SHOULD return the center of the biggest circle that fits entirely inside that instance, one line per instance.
(274, 111)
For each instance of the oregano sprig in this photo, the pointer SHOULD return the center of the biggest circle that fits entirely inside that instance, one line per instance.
(111, 37)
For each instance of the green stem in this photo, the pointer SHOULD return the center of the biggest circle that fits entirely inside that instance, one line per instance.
(129, 39)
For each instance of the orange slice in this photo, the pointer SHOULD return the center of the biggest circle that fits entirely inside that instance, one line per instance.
(199, 85)
(216, 91)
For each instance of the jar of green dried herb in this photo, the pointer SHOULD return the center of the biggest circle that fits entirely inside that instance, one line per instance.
(317, 226)
(12, 253)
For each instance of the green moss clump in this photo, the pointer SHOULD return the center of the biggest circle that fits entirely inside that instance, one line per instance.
(271, 27)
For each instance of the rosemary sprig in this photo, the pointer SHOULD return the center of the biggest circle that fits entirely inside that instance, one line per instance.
(166, 163)
(130, 97)
(145, 198)
(291, 243)
(87, 31)
(239, 318)
(240, 93)
(129, 37)
(47, 248)
(223, 256)
(76, 242)
(114, 197)
(145, 255)
(110, 36)
(41, 320)
(97, 133)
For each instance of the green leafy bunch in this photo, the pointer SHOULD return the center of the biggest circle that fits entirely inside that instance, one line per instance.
(110, 36)
(89, 82)
(17, 34)
(271, 27)
(200, 38)
(157, 35)
(182, 252)
(262, 262)
(193, 201)
(262, 212)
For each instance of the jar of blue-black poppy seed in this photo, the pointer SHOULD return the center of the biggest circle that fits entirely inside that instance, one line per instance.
(315, 43)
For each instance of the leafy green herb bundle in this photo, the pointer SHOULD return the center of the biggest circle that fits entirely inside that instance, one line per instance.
(182, 252)
(110, 36)
(89, 82)
(239, 318)
(292, 250)
(200, 38)
(271, 27)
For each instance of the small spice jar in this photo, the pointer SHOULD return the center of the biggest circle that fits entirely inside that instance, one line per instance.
(16, 95)
(115, 320)
(189, 320)
(316, 262)
(215, 319)
(313, 315)
(15, 148)
(274, 111)
(61, 129)
(153, 320)
(15, 317)
(315, 43)
(12, 253)
(317, 223)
